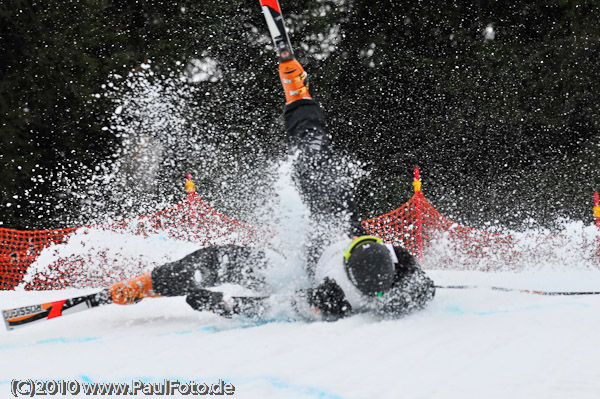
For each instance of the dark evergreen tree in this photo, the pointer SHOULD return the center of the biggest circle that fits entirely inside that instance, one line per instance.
(495, 102)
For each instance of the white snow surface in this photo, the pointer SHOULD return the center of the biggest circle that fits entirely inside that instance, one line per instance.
(466, 344)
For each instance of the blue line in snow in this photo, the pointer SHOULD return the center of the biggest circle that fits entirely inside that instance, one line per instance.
(454, 309)
(303, 390)
(212, 329)
(58, 340)
(209, 329)
(64, 340)
(459, 311)
(80, 340)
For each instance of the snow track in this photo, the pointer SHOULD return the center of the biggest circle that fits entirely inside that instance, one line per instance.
(467, 344)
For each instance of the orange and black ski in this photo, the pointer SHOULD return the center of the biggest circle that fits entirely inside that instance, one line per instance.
(274, 17)
(26, 315)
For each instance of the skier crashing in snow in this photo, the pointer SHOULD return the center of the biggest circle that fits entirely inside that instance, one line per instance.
(354, 275)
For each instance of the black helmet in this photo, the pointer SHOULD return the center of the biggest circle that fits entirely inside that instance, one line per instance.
(369, 265)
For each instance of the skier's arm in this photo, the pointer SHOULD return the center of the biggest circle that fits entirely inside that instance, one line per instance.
(325, 302)
(215, 301)
(412, 288)
(329, 300)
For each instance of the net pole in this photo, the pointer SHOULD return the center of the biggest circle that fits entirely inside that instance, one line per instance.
(418, 213)
(190, 189)
(597, 216)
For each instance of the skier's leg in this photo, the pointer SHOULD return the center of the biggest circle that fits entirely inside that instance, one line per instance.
(179, 277)
(294, 81)
(319, 175)
(205, 267)
(133, 290)
(211, 266)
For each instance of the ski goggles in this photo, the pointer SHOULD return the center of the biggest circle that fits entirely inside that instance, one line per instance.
(357, 242)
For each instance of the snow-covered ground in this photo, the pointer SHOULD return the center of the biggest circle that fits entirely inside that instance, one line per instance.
(473, 343)
(467, 344)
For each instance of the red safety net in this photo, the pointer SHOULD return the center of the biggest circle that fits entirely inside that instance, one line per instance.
(91, 263)
(441, 243)
(417, 226)
(97, 255)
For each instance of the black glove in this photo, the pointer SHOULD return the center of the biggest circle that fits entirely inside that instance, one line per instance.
(393, 303)
(329, 299)
(200, 299)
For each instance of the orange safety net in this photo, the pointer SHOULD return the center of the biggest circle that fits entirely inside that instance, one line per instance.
(192, 220)
(398, 227)
(440, 243)
(416, 225)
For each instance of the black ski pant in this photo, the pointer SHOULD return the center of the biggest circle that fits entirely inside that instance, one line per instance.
(322, 188)
(318, 174)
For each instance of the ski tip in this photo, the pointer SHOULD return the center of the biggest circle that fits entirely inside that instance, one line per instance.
(26, 315)
(19, 317)
(274, 4)
(5, 321)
